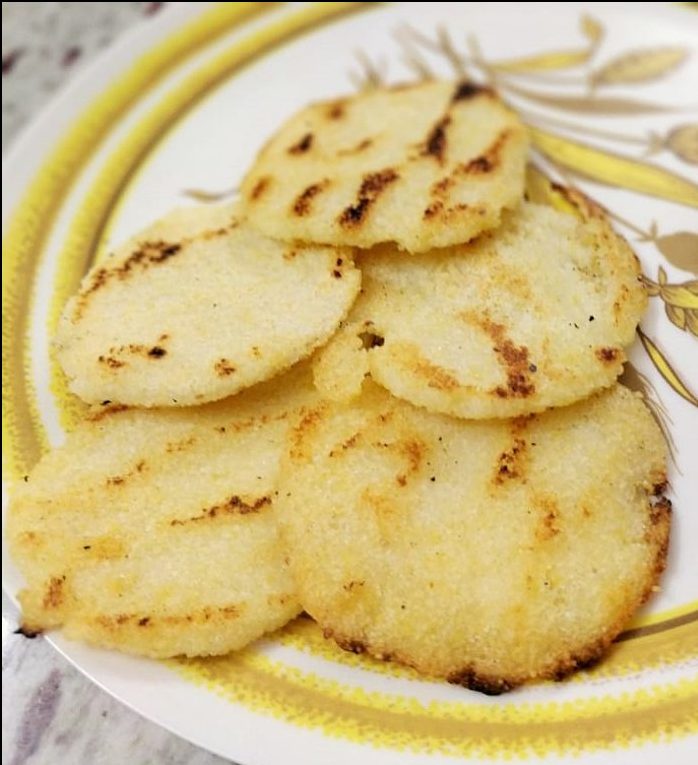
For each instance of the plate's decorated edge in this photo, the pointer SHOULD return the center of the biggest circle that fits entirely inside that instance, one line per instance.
(673, 707)
(657, 713)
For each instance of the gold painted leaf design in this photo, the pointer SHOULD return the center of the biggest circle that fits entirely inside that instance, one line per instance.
(680, 249)
(652, 141)
(681, 295)
(692, 322)
(683, 142)
(640, 66)
(449, 52)
(634, 380)
(560, 59)
(591, 104)
(680, 300)
(615, 169)
(544, 62)
(371, 75)
(415, 61)
(591, 28)
(676, 316)
(665, 369)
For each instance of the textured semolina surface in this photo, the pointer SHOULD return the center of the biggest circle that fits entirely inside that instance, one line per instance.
(488, 553)
(533, 315)
(424, 165)
(198, 307)
(153, 531)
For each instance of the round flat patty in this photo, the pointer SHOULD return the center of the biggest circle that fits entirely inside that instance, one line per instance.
(423, 165)
(154, 531)
(533, 315)
(198, 307)
(488, 553)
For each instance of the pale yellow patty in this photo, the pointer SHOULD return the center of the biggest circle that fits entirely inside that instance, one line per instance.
(533, 315)
(154, 531)
(424, 165)
(488, 553)
(197, 307)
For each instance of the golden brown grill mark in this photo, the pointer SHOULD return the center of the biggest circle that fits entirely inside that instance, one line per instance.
(119, 480)
(549, 525)
(308, 421)
(114, 358)
(180, 446)
(467, 90)
(304, 200)
(224, 368)
(147, 254)
(489, 160)
(206, 614)
(438, 209)
(348, 444)
(212, 233)
(53, 596)
(479, 166)
(618, 304)
(607, 355)
(384, 511)
(510, 462)
(110, 362)
(108, 409)
(436, 376)
(441, 187)
(336, 110)
(413, 450)
(371, 188)
(260, 187)
(434, 209)
(435, 144)
(233, 506)
(303, 145)
(514, 359)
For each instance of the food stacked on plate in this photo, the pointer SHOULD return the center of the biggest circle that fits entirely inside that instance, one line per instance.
(381, 388)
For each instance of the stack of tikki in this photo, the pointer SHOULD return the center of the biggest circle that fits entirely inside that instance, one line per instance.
(416, 434)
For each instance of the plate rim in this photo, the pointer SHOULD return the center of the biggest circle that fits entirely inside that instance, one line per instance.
(28, 137)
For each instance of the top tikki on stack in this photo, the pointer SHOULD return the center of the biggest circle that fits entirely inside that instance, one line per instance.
(379, 387)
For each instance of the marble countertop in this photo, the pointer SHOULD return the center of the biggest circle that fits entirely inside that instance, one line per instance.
(51, 714)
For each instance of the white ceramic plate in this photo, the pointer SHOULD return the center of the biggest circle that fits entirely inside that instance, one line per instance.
(184, 104)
